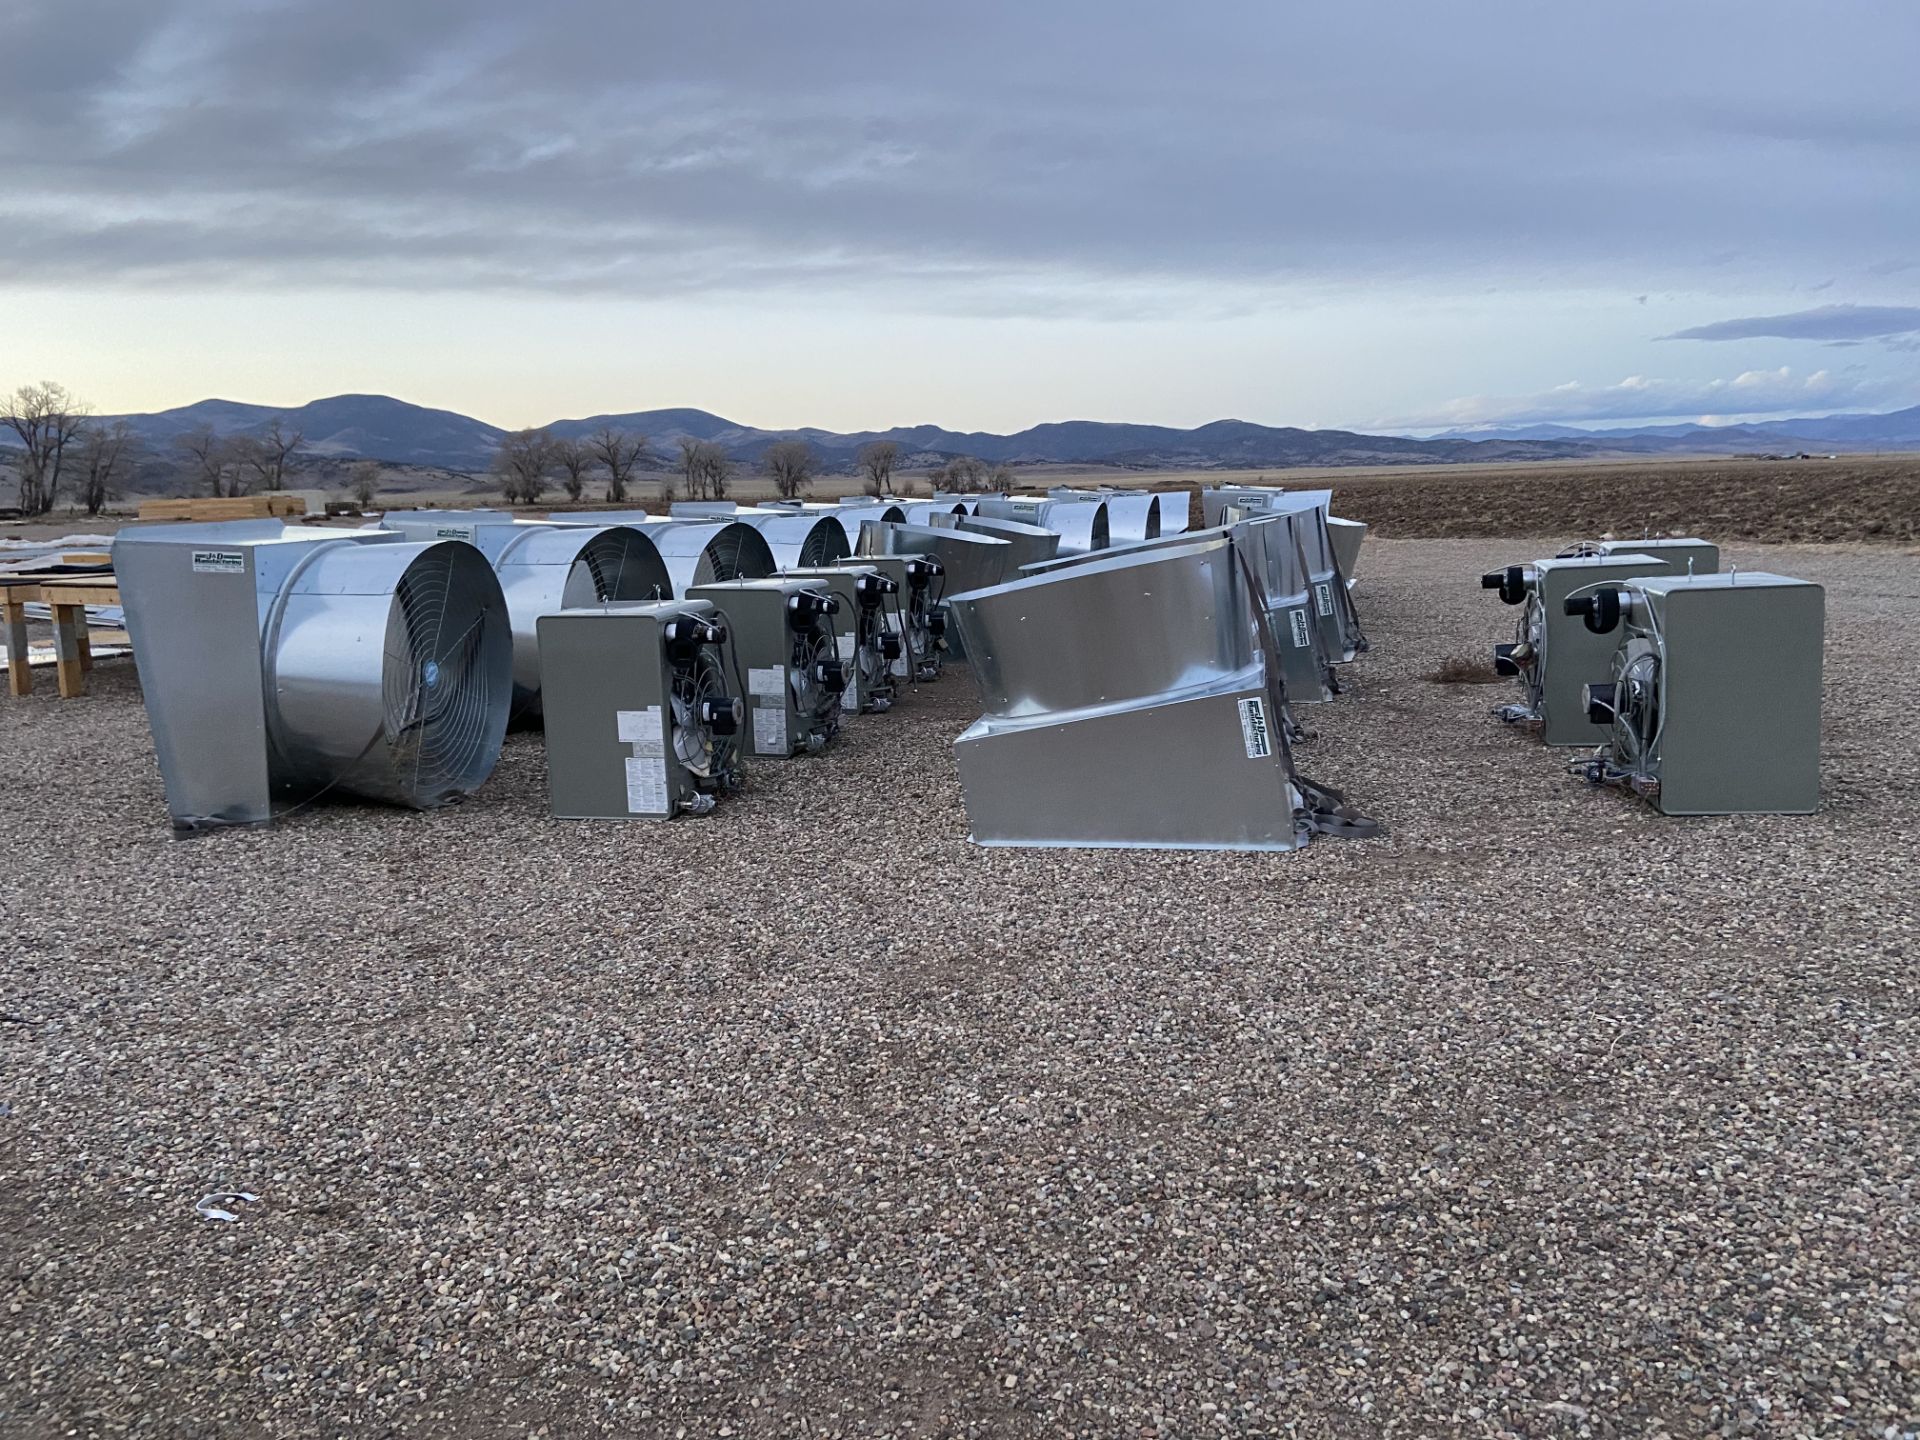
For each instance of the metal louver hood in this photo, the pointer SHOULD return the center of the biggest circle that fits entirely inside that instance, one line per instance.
(281, 663)
(970, 561)
(1126, 704)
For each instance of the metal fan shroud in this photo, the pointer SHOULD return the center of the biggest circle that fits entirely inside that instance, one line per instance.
(389, 673)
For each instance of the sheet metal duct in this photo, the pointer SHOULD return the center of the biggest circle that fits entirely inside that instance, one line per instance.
(1347, 537)
(1031, 544)
(850, 517)
(1081, 524)
(1126, 705)
(971, 562)
(281, 663)
(1176, 511)
(1306, 663)
(798, 539)
(1131, 514)
(545, 568)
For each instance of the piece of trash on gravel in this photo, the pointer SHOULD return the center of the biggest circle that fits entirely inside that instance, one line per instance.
(213, 1206)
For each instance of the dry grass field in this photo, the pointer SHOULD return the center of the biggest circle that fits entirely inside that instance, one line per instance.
(1542, 1116)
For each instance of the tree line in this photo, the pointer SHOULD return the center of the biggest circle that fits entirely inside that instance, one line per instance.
(63, 450)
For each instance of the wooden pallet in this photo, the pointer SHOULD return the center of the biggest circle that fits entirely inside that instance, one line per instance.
(227, 507)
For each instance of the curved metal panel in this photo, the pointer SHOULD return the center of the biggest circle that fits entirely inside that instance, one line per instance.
(1031, 544)
(1117, 629)
(797, 538)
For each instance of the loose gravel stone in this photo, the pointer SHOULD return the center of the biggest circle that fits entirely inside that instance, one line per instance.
(1544, 1115)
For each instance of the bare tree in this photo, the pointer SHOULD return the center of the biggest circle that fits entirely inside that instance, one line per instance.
(210, 459)
(46, 417)
(965, 475)
(267, 455)
(876, 461)
(789, 464)
(363, 483)
(618, 452)
(105, 459)
(717, 468)
(574, 459)
(525, 463)
(690, 468)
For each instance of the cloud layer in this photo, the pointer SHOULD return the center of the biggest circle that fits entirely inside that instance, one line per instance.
(974, 156)
(1640, 397)
(1826, 322)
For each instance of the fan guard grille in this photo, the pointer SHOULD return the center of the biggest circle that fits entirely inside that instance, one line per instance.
(446, 679)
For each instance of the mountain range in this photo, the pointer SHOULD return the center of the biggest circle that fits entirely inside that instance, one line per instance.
(382, 428)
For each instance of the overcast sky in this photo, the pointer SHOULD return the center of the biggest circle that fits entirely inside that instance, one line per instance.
(982, 215)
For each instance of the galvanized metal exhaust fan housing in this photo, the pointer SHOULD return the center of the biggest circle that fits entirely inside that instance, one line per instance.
(544, 568)
(1082, 525)
(282, 663)
(1131, 514)
(696, 552)
(798, 539)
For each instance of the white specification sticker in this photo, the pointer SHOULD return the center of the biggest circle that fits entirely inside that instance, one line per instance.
(850, 697)
(219, 562)
(640, 729)
(770, 729)
(454, 532)
(1253, 728)
(646, 785)
(844, 644)
(1297, 619)
(1323, 597)
(768, 680)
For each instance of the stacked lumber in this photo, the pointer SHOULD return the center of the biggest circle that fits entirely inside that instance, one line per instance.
(228, 507)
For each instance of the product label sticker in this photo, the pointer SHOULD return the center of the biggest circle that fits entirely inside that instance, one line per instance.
(646, 785)
(845, 644)
(770, 730)
(850, 697)
(454, 532)
(1323, 597)
(639, 728)
(1253, 728)
(219, 562)
(1297, 621)
(767, 680)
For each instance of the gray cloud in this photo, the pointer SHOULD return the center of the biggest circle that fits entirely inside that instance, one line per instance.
(992, 158)
(1825, 322)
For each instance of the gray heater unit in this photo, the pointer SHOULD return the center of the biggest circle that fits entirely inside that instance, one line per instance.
(1712, 706)
(1553, 655)
(1082, 525)
(1127, 704)
(1030, 543)
(642, 718)
(1686, 555)
(870, 642)
(919, 582)
(283, 663)
(543, 568)
(967, 561)
(798, 539)
(785, 635)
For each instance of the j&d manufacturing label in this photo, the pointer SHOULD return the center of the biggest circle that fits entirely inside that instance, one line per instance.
(219, 562)
(1297, 620)
(1323, 597)
(1253, 728)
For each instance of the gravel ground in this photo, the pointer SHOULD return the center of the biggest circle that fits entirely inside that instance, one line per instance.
(1543, 1116)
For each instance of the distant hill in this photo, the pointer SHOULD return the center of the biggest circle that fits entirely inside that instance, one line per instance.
(1894, 430)
(346, 427)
